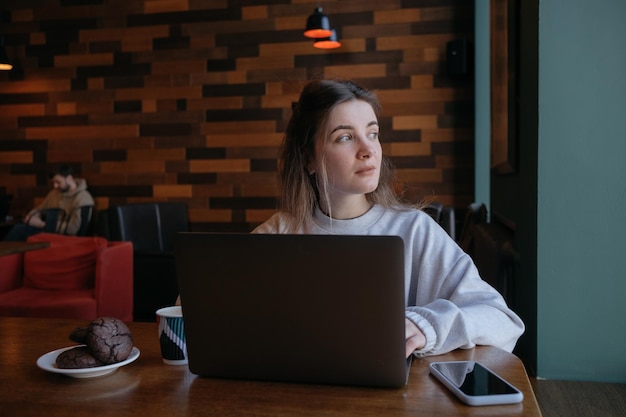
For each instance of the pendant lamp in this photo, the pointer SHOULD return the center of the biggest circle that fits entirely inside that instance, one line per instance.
(330, 42)
(317, 25)
(5, 64)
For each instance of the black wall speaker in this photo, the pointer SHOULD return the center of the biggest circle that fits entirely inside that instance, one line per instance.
(459, 57)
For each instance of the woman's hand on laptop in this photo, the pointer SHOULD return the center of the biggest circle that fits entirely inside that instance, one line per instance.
(415, 339)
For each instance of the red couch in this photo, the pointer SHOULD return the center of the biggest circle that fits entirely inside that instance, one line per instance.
(76, 277)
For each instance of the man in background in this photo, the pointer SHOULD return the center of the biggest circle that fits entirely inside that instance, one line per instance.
(69, 194)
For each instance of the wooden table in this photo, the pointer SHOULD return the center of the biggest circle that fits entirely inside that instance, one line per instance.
(147, 387)
(8, 248)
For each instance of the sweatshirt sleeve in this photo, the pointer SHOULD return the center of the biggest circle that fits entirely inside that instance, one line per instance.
(452, 305)
(50, 201)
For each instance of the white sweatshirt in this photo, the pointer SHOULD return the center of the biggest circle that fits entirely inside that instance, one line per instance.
(446, 298)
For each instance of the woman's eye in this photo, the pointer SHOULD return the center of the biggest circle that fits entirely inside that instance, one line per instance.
(373, 135)
(343, 138)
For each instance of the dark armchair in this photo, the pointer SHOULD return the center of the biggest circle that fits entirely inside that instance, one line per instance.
(444, 215)
(55, 216)
(151, 228)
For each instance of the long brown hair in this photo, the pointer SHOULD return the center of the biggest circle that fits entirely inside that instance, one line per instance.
(300, 193)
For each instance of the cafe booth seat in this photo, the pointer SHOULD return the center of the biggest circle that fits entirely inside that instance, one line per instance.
(75, 277)
(87, 220)
(151, 227)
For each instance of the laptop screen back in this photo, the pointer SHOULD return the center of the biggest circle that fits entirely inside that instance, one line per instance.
(303, 308)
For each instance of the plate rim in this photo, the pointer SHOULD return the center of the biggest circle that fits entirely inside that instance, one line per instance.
(47, 361)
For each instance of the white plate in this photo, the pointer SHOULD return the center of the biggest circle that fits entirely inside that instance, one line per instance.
(47, 362)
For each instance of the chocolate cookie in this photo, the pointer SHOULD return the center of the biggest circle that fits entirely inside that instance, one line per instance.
(78, 357)
(79, 335)
(109, 340)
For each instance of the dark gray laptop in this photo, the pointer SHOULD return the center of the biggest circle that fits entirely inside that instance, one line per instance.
(323, 309)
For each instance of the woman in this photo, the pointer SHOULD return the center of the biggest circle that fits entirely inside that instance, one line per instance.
(334, 179)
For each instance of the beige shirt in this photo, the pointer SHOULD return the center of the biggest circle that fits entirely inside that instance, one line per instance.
(70, 203)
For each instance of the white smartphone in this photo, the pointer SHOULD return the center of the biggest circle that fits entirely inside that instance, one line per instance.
(475, 384)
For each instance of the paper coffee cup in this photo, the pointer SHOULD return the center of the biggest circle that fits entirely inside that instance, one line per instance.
(172, 335)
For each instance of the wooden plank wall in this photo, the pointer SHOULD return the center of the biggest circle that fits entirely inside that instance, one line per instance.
(186, 100)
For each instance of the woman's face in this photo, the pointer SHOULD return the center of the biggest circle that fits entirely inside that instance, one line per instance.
(352, 152)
